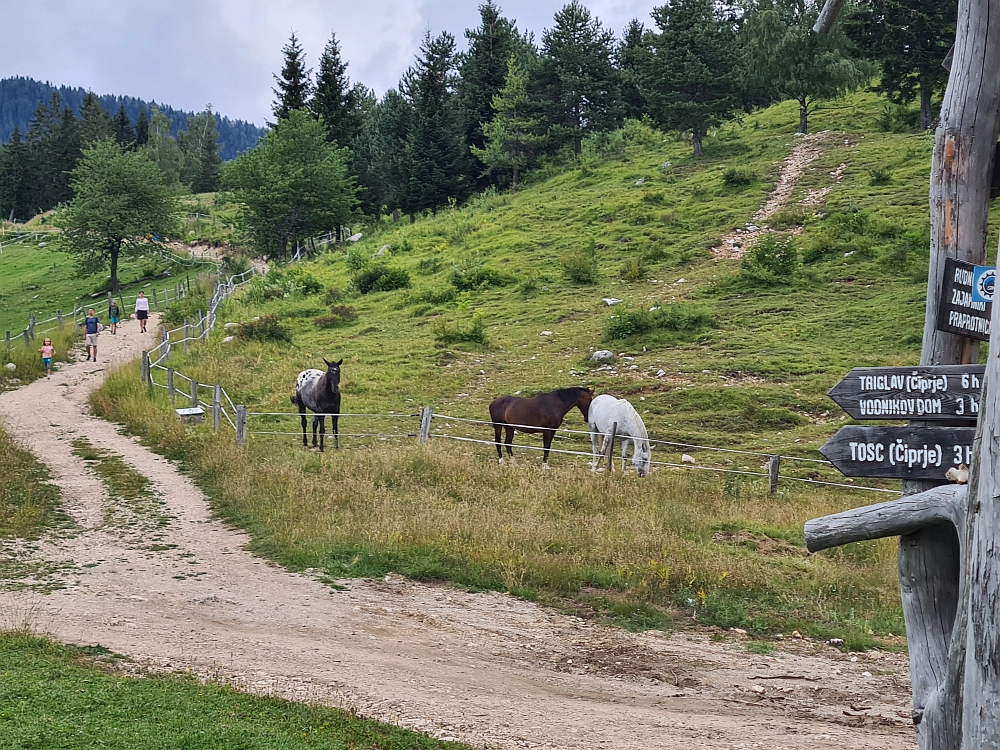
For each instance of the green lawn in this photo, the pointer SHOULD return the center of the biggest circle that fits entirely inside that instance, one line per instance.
(61, 698)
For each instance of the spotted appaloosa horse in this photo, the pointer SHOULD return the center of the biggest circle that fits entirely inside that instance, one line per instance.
(542, 414)
(319, 392)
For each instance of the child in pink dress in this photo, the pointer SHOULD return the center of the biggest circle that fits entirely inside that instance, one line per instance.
(47, 351)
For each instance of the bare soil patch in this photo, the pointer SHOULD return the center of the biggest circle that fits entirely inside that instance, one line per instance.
(485, 668)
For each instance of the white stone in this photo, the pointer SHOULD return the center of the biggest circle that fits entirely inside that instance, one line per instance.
(686, 459)
(227, 326)
(610, 301)
(546, 333)
(660, 373)
(602, 355)
(228, 339)
(354, 237)
(10, 366)
(640, 181)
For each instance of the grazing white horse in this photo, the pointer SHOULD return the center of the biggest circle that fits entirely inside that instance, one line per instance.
(605, 410)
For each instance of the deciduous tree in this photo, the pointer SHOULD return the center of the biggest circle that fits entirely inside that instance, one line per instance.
(119, 203)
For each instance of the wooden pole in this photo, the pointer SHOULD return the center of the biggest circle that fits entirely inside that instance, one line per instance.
(216, 406)
(426, 414)
(27, 340)
(241, 425)
(773, 466)
(146, 375)
(8, 341)
(187, 335)
(156, 302)
(170, 385)
(194, 393)
(59, 318)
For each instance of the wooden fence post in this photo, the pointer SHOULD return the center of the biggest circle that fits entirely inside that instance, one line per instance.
(216, 406)
(59, 318)
(170, 385)
(31, 325)
(8, 341)
(187, 335)
(146, 374)
(426, 414)
(74, 316)
(241, 425)
(27, 341)
(201, 326)
(773, 466)
(156, 302)
(194, 393)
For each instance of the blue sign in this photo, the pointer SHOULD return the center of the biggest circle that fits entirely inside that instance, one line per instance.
(983, 280)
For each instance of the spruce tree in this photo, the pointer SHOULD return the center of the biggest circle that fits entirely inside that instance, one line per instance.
(576, 78)
(909, 39)
(785, 57)
(380, 155)
(483, 69)
(689, 76)
(141, 129)
(64, 150)
(438, 156)
(95, 123)
(13, 163)
(294, 85)
(511, 136)
(124, 134)
(334, 100)
(209, 176)
(628, 57)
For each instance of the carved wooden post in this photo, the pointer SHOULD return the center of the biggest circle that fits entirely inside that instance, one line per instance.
(426, 414)
(241, 425)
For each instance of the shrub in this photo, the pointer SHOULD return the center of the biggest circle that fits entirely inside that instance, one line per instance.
(281, 282)
(474, 275)
(340, 315)
(633, 269)
(879, 176)
(266, 328)
(734, 177)
(333, 295)
(791, 216)
(187, 308)
(898, 118)
(234, 265)
(435, 296)
(379, 277)
(677, 317)
(771, 260)
(581, 267)
(448, 333)
(357, 259)
(428, 266)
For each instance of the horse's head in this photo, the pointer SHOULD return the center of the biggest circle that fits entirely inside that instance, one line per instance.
(333, 374)
(641, 458)
(586, 396)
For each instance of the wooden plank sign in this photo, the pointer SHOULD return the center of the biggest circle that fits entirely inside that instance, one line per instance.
(957, 312)
(945, 392)
(899, 452)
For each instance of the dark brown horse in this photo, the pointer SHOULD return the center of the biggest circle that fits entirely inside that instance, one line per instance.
(542, 414)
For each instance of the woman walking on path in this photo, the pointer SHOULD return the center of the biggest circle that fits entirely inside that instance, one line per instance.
(142, 310)
(92, 327)
(114, 315)
(47, 351)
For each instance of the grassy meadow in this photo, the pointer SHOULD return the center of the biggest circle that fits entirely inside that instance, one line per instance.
(69, 697)
(505, 295)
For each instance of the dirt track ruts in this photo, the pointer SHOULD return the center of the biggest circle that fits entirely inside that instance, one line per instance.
(484, 668)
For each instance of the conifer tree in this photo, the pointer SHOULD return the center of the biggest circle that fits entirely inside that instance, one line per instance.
(163, 148)
(335, 99)
(483, 69)
(689, 74)
(95, 123)
(380, 155)
(438, 156)
(64, 149)
(576, 78)
(124, 134)
(511, 136)
(13, 163)
(909, 39)
(209, 176)
(628, 56)
(294, 84)
(141, 129)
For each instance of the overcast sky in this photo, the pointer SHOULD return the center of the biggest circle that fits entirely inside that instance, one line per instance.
(189, 53)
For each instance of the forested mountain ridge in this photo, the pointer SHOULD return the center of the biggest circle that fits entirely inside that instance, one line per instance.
(20, 97)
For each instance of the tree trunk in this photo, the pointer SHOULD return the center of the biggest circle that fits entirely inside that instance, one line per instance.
(926, 119)
(696, 136)
(803, 115)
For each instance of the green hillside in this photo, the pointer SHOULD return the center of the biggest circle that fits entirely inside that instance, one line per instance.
(737, 355)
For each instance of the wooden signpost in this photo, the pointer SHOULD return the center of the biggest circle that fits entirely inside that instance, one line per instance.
(944, 392)
(959, 312)
(899, 452)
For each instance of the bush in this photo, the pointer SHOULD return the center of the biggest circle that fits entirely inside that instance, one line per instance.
(266, 328)
(340, 315)
(633, 269)
(879, 176)
(473, 275)
(771, 260)
(677, 317)
(380, 277)
(791, 216)
(187, 308)
(281, 282)
(234, 265)
(333, 295)
(428, 266)
(734, 177)
(435, 296)
(448, 333)
(581, 267)
(898, 118)
(356, 259)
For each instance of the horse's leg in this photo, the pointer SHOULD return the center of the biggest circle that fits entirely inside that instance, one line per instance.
(305, 423)
(497, 428)
(336, 432)
(593, 449)
(509, 439)
(547, 436)
(322, 433)
(315, 428)
(625, 443)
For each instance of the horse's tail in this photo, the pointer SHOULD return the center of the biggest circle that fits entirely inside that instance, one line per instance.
(295, 399)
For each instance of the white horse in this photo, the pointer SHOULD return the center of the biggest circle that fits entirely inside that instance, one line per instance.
(605, 410)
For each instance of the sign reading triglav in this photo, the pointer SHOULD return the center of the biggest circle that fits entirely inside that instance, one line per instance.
(931, 393)
(957, 311)
(899, 452)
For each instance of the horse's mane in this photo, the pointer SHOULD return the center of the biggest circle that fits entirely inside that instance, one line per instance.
(569, 395)
(636, 426)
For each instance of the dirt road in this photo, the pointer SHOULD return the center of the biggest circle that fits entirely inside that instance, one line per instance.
(484, 668)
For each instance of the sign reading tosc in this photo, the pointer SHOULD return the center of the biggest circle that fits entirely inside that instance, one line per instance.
(899, 452)
(958, 312)
(931, 393)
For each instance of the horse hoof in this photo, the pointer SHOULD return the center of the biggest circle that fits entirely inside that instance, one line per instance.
(501, 462)
(546, 467)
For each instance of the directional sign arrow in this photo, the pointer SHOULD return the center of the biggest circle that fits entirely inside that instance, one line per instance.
(899, 452)
(944, 392)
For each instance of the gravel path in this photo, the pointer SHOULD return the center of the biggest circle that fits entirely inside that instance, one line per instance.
(484, 668)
